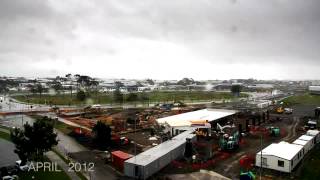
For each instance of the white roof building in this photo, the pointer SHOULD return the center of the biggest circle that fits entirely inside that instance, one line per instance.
(300, 142)
(312, 132)
(183, 120)
(306, 138)
(283, 150)
(151, 161)
(282, 156)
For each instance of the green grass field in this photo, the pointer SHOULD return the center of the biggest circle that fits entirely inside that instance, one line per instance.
(44, 175)
(311, 168)
(5, 136)
(103, 98)
(66, 129)
(305, 99)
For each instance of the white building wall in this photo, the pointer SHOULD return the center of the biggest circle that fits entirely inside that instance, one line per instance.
(151, 168)
(272, 163)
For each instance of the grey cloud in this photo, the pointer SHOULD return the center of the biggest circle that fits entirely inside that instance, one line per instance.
(220, 31)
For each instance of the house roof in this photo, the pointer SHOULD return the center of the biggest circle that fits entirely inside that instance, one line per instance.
(185, 119)
(282, 150)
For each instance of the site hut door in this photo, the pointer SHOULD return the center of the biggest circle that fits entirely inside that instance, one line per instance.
(137, 172)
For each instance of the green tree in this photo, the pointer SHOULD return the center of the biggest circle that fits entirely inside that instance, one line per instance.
(39, 89)
(68, 76)
(81, 95)
(117, 95)
(32, 142)
(186, 81)
(102, 135)
(57, 86)
(22, 145)
(235, 90)
(150, 81)
(132, 97)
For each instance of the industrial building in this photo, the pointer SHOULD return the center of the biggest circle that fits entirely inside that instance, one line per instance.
(151, 161)
(182, 122)
(314, 90)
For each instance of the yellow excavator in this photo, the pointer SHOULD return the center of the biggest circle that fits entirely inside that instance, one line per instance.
(280, 110)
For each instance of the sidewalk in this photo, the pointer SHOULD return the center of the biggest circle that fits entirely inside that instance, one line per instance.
(55, 158)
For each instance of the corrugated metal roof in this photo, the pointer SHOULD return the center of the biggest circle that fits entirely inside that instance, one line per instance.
(283, 150)
(156, 152)
(204, 114)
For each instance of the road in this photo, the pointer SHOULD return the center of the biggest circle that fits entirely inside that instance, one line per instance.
(7, 156)
(65, 167)
(101, 170)
(11, 105)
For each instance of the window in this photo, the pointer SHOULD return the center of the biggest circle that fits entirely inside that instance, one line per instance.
(280, 163)
(264, 161)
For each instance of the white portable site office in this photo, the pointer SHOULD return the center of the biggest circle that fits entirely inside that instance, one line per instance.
(151, 161)
(302, 143)
(282, 156)
(310, 141)
(315, 134)
(174, 124)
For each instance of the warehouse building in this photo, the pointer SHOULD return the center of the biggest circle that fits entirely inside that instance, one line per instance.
(281, 156)
(185, 121)
(153, 160)
(314, 90)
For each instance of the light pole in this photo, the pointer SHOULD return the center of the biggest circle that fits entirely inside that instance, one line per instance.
(260, 155)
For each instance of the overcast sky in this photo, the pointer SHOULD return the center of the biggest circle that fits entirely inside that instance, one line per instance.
(161, 39)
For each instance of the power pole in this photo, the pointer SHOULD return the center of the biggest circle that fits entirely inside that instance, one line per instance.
(260, 155)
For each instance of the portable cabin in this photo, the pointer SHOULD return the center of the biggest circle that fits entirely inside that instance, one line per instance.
(315, 134)
(310, 141)
(147, 163)
(118, 158)
(281, 156)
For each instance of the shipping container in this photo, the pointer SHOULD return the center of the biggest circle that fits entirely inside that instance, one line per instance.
(153, 160)
(118, 159)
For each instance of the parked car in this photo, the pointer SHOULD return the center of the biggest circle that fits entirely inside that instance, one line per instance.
(22, 167)
(10, 177)
(288, 110)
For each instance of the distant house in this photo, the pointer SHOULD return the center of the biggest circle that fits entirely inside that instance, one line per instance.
(261, 86)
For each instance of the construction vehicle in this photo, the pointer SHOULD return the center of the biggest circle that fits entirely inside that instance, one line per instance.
(203, 127)
(311, 124)
(247, 176)
(288, 110)
(280, 110)
(274, 131)
(228, 142)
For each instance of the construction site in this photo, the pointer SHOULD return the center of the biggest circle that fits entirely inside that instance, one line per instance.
(173, 141)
